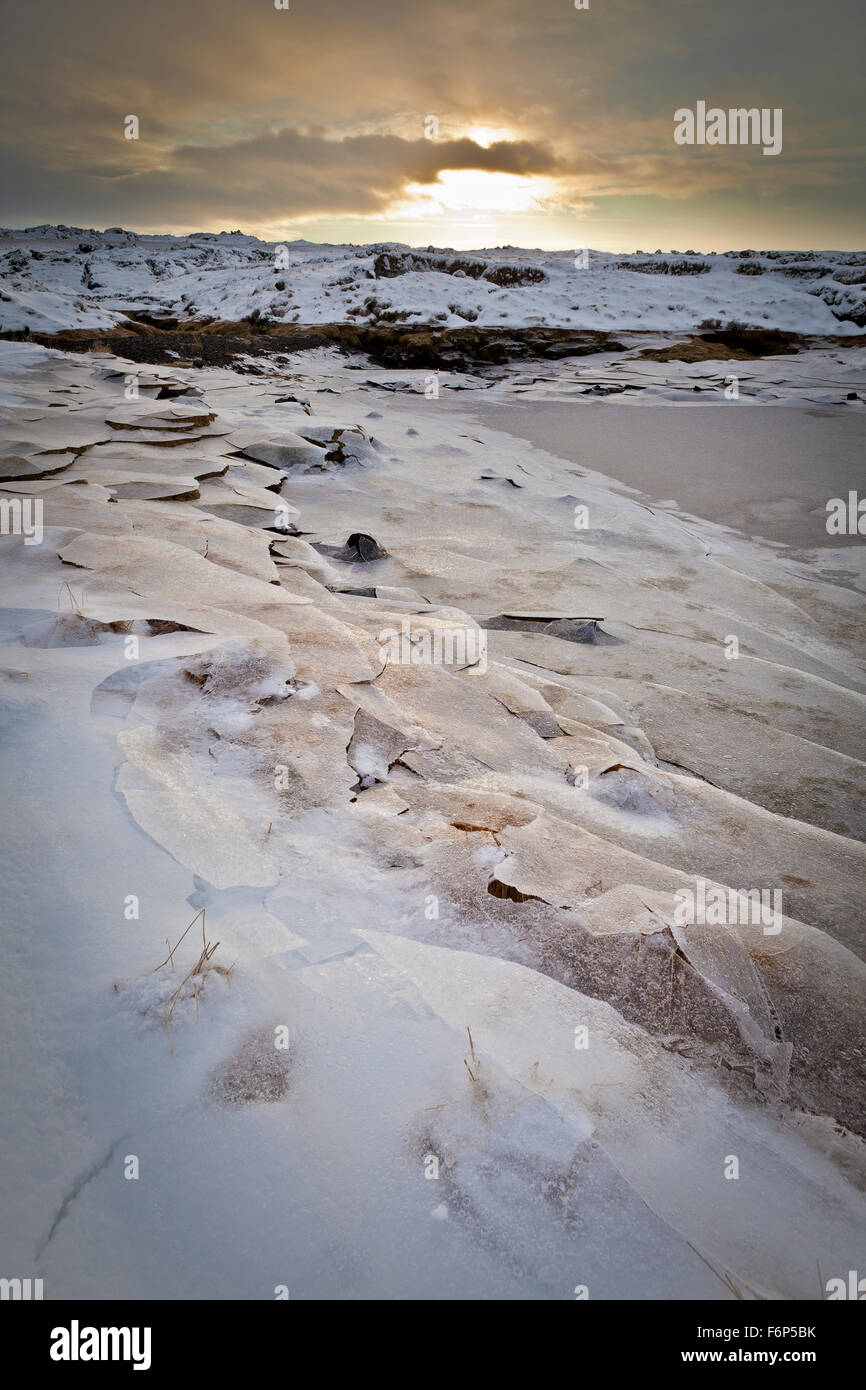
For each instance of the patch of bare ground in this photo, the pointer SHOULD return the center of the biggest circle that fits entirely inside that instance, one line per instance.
(256, 1074)
(736, 342)
(216, 343)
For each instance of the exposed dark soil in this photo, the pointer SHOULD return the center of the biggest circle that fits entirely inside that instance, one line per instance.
(733, 342)
(394, 345)
(390, 345)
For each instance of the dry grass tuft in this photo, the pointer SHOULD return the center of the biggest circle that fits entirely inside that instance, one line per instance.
(725, 1278)
(201, 968)
(75, 604)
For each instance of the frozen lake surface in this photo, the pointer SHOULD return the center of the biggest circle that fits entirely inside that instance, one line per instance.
(768, 474)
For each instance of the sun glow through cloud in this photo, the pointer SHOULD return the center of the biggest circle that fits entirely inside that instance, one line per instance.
(467, 192)
(485, 135)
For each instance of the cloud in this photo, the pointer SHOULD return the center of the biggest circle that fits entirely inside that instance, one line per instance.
(274, 176)
(253, 116)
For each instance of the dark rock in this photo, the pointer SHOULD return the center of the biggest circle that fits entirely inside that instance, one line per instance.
(569, 629)
(361, 547)
(577, 630)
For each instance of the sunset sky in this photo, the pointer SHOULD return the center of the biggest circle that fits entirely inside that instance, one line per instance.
(555, 125)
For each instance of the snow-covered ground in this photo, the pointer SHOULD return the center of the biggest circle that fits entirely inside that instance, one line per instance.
(436, 1030)
(54, 278)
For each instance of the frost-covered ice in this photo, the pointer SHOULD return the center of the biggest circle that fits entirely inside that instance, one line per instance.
(431, 882)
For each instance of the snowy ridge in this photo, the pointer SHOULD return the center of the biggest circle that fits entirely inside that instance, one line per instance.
(55, 278)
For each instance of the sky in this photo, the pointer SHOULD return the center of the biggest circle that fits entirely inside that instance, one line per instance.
(464, 123)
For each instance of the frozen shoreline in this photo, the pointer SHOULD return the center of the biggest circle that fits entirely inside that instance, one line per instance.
(252, 753)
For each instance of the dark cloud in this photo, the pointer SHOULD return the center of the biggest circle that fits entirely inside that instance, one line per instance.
(272, 176)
